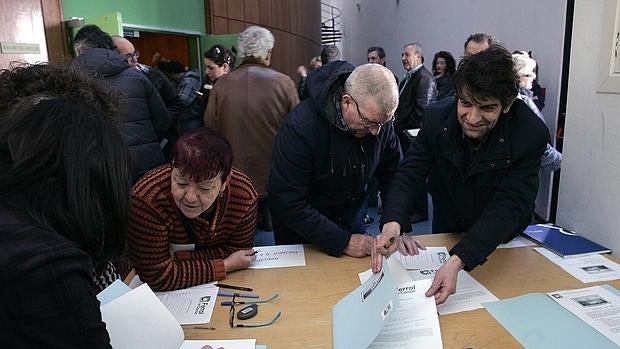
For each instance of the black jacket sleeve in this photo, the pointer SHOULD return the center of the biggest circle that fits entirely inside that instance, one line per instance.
(289, 182)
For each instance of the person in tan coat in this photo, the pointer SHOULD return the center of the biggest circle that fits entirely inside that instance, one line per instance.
(248, 106)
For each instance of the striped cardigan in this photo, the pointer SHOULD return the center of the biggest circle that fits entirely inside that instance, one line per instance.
(155, 222)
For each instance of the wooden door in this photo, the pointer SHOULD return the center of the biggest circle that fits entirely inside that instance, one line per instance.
(22, 29)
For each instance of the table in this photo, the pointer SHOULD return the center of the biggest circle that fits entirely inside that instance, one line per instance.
(308, 293)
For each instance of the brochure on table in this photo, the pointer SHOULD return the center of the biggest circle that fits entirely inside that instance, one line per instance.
(138, 319)
(537, 321)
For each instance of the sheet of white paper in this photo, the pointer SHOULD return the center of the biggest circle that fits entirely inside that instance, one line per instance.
(414, 323)
(470, 294)
(519, 241)
(215, 344)
(138, 319)
(279, 256)
(587, 269)
(595, 306)
(432, 257)
(192, 305)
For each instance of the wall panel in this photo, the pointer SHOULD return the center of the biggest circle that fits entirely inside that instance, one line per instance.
(296, 25)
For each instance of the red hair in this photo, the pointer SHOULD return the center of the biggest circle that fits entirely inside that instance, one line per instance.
(202, 154)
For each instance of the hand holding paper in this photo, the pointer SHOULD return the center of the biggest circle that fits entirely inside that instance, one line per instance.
(444, 283)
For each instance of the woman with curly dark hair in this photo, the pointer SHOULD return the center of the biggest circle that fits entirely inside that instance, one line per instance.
(64, 204)
(444, 67)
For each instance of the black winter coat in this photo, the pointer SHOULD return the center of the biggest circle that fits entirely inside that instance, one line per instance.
(319, 172)
(144, 119)
(491, 197)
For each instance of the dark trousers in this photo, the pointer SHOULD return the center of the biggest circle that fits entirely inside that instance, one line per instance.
(420, 199)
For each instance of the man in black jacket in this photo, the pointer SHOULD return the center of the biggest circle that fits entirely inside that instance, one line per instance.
(481, 153)
(145, 119)
(325, 153)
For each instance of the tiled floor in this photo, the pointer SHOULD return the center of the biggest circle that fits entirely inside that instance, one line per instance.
(265, 238)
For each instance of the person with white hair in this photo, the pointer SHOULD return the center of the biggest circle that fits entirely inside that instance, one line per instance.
(326, 152)
(248, 105)
(525, 67)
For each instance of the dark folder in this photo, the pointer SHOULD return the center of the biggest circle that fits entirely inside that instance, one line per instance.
(563, 242)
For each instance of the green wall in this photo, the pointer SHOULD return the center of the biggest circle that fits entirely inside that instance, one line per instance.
(180, 14)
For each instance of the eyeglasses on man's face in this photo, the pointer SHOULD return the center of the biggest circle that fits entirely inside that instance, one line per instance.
(366, 122)
(231, 317)
(134, 54)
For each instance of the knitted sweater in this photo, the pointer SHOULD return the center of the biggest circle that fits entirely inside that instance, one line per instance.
(155, 223)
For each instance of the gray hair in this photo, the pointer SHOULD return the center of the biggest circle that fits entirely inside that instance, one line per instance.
(329, 53)
(376, 82)
(480, 38)
(255, 42)
(417, 47)
(524, 64)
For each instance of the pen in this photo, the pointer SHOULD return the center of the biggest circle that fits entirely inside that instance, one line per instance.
(253, 253)
(242, 295)
(389, 243)
(240, 288)
(203, 328)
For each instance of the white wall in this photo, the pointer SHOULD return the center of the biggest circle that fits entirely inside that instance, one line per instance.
(444, 25)
(589, 197)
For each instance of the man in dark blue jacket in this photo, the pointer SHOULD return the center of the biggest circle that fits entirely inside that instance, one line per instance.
(326, 152)
(145, 119)
(481, 153)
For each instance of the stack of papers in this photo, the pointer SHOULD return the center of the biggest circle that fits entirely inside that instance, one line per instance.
(470, 294)
(138, 319)
(391, 309)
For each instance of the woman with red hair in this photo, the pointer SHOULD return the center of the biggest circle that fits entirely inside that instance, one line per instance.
(192, 221)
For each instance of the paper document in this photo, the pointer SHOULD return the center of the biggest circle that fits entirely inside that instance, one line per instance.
(470, 294)
(595, 306)
(113, 291)
(587, 269)
(538, 322)
(518, 241)
(279, 256)
(414, 323)
(360, 316)
(192, 305)
(431, 258)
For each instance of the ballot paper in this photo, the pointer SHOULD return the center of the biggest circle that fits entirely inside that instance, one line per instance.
(595, 306)
(193, 305)
(591, 268)
(414, 323)
(430, 258)
(279, 256)
(138, 319)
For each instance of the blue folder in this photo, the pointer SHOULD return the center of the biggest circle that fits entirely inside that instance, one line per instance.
(563, 242)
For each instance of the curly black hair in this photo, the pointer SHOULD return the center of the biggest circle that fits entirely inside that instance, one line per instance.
(91, 36)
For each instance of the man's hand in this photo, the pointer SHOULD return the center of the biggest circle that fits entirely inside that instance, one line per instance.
(385, 244)
(302, 71)
(360, 245)
(444, 283)
(239, 260)
(409, 246)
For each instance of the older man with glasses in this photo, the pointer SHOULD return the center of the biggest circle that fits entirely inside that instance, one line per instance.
(325, 153)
